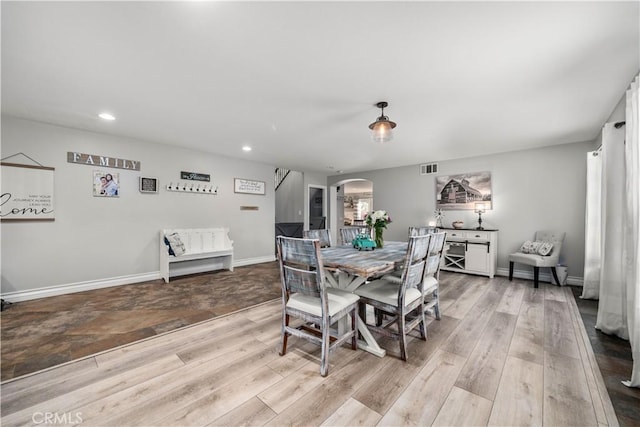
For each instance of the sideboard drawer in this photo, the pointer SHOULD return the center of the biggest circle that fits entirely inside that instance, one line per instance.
(456, 234)
(477, 235)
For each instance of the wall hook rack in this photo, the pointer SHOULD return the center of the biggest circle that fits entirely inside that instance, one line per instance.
(191, 187)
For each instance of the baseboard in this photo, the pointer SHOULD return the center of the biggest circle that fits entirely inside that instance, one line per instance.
(70, 288)
(545, 276)
(251, 261)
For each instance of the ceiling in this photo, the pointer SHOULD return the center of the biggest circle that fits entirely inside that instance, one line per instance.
(298, 81)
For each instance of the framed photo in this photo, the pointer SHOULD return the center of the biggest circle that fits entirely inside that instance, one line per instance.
(148, 185)
(248, 186)
(106, 184)
(461, 192)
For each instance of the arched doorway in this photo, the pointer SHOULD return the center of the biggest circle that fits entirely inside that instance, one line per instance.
(351, 200)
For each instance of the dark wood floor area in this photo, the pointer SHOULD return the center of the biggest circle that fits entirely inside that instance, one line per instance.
(46, 332)
(614, 359)
(42, 333)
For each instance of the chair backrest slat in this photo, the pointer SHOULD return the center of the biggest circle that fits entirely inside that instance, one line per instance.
(414, 265)
(301, 268)
(421, 231)
(350, 233)
(436, 246)
(323, 235)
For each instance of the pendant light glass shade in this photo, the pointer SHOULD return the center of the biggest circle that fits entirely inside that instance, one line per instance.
(381, 128)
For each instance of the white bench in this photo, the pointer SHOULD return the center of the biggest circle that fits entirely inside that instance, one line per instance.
(205, 249)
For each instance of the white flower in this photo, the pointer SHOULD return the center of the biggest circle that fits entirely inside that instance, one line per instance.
(378, 219)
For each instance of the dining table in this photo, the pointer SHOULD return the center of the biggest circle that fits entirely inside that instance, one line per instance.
(349, 268)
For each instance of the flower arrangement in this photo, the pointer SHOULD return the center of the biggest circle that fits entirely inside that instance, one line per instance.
(378, 221)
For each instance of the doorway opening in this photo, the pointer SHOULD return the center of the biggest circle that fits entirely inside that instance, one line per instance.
(316, 208)
(353, 200)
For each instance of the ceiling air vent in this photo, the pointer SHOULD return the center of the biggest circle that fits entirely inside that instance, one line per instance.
(428, 168)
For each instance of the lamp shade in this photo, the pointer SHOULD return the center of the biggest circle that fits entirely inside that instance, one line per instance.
(381, 128)
(382, 131)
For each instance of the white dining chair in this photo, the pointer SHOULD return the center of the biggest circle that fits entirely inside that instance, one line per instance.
(306, 297)
(323, 235)
(402, 306)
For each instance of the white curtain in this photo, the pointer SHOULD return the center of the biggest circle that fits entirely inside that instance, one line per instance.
(593, 227)
(612, 313)
(612, 232)
(631, 250)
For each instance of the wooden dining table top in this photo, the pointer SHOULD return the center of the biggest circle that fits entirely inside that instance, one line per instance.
(365, 263)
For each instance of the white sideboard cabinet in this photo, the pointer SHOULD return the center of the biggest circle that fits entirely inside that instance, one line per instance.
(470, 251)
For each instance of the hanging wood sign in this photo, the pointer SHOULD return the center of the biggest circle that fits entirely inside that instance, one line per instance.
(248, 186)
(193, 176)
(105, 161)
(26, 193)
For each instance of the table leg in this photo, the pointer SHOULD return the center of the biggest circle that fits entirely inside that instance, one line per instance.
(349, 282)
(369, 344)
(346, 281)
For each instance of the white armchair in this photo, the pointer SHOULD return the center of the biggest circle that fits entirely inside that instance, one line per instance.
(544, 251)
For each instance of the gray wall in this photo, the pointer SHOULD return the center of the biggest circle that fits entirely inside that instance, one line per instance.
(290, 201)
(532, 190)
(102, 239)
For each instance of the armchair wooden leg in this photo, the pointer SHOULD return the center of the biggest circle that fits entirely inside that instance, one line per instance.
(536, 275)
(555, 275)
(510, 270)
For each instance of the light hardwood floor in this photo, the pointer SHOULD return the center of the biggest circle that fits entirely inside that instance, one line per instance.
(503, 354)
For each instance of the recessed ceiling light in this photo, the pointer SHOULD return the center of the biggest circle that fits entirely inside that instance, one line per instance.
(106, 116)
(246, 148)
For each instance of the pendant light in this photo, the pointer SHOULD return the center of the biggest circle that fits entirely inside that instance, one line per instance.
(381, 128)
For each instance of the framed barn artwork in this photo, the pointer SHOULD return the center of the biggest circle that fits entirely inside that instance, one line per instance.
(461, 192)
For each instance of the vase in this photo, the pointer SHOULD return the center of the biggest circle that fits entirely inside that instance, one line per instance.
(378, 237)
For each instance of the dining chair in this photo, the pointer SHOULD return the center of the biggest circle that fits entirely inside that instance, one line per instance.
(350, 233)
(431, 282)
(403, 306)
(306, 298)
(544, 251)
(413, 231)
(421, 231)
(323, 235)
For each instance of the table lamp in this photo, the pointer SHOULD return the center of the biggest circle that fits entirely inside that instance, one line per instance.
(480, 209)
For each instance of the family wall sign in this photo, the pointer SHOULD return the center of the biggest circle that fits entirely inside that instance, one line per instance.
(106, 161)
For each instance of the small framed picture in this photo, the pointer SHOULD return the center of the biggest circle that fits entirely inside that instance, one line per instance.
(106, 184)
(249, 186)
(148, 185)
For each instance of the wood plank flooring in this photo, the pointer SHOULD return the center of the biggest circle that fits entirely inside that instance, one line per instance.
(504, 353)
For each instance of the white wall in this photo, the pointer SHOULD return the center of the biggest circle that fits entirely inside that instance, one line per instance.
(532, 190)
(103, 239)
